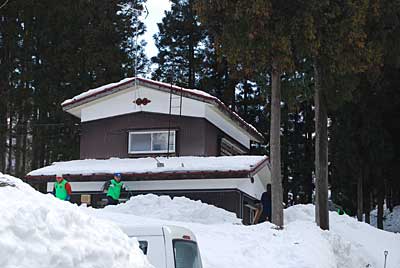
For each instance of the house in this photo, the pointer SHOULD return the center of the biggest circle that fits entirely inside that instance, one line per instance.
(189, 142)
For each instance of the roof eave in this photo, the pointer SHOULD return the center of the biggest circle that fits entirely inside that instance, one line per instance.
(148, 176)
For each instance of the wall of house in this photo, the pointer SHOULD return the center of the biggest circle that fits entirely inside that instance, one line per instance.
(108, 137)
(121, 103)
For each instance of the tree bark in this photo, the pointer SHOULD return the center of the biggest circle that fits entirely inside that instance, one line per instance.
(381, 197)
(285, 152)
(308, 151)
(368, 207)
(10, 143)
(3, 134)
(360, 196)
(277, 207)
(367, 194)
(321, 153)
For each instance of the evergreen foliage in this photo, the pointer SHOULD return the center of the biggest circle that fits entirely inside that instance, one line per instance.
(51, 51)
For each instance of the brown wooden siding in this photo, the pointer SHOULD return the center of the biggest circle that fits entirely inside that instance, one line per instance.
(108, 137)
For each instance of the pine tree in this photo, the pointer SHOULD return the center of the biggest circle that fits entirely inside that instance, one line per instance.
(256, 36)
(180, 42)
(47, 62)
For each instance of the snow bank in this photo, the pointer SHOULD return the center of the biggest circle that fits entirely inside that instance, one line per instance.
(176, 209)
(391, 220)
(39, 231)
(349, 244)
(358, 238)
(149, 164)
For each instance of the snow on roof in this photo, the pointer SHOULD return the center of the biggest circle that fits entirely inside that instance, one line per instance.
(149, 165)
(94, 91)
(99, 91)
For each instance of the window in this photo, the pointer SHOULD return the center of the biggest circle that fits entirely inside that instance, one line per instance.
(151, 142)
(186, 254)
(143, 246)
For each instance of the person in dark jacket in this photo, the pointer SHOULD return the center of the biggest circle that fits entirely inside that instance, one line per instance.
(62, 189)
(114, 188)
(264, 208)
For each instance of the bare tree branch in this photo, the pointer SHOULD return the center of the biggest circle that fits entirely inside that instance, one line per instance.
(4, 4)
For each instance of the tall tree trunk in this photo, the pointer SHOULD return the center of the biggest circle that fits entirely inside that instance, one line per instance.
(321, 153)
(192, 45)
(18, 142)
(381, 197)
(3, 134)
(308, 151)
(360, 195)
(277, 207)
(191, 64)
(367, 194)
(285, 152)
(24, 148)
(36, 138)
(10, 143)
(389, 196)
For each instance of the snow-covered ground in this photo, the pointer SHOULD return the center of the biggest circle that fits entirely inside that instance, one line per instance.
(40, 231)
(391, 221)
(225, 243)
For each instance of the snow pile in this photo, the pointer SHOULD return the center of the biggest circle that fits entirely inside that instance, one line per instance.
(391, 220)
(358, 237)
(302, 244)
(39, 230)
(149, 164)
(176, 209)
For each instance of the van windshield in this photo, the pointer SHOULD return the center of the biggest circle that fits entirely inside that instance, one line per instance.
(186, 254)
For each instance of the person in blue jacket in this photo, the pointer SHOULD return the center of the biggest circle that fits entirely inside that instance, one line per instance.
(264, 209)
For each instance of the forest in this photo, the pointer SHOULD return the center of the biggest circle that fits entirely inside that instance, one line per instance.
(320, 79)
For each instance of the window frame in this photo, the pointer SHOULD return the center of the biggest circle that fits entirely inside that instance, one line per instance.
(151, 132)
(179, 240)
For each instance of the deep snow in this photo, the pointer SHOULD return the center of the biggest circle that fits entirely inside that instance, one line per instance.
(40, 231)
(179, 209)
(225, 243)
(391, 220)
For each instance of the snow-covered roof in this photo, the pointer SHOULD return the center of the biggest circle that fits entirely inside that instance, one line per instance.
(172, 165)
(93, 94)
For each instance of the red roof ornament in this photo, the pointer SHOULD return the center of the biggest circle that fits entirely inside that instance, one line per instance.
(143, 101)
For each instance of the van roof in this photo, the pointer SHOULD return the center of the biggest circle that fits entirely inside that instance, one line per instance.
(176, 232)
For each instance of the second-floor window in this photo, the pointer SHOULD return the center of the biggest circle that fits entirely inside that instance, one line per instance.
(144, 142)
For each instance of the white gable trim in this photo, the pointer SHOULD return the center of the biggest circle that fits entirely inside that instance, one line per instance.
(122, 102)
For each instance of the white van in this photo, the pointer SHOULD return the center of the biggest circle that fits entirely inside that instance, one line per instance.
(167, 246)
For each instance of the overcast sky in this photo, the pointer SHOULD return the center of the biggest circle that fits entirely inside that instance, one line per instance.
(156, 13)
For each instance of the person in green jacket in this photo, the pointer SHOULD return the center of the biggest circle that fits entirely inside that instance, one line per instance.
(62, 189)
(114, 187)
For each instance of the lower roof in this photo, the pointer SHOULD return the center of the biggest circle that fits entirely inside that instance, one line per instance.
(185, 167)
